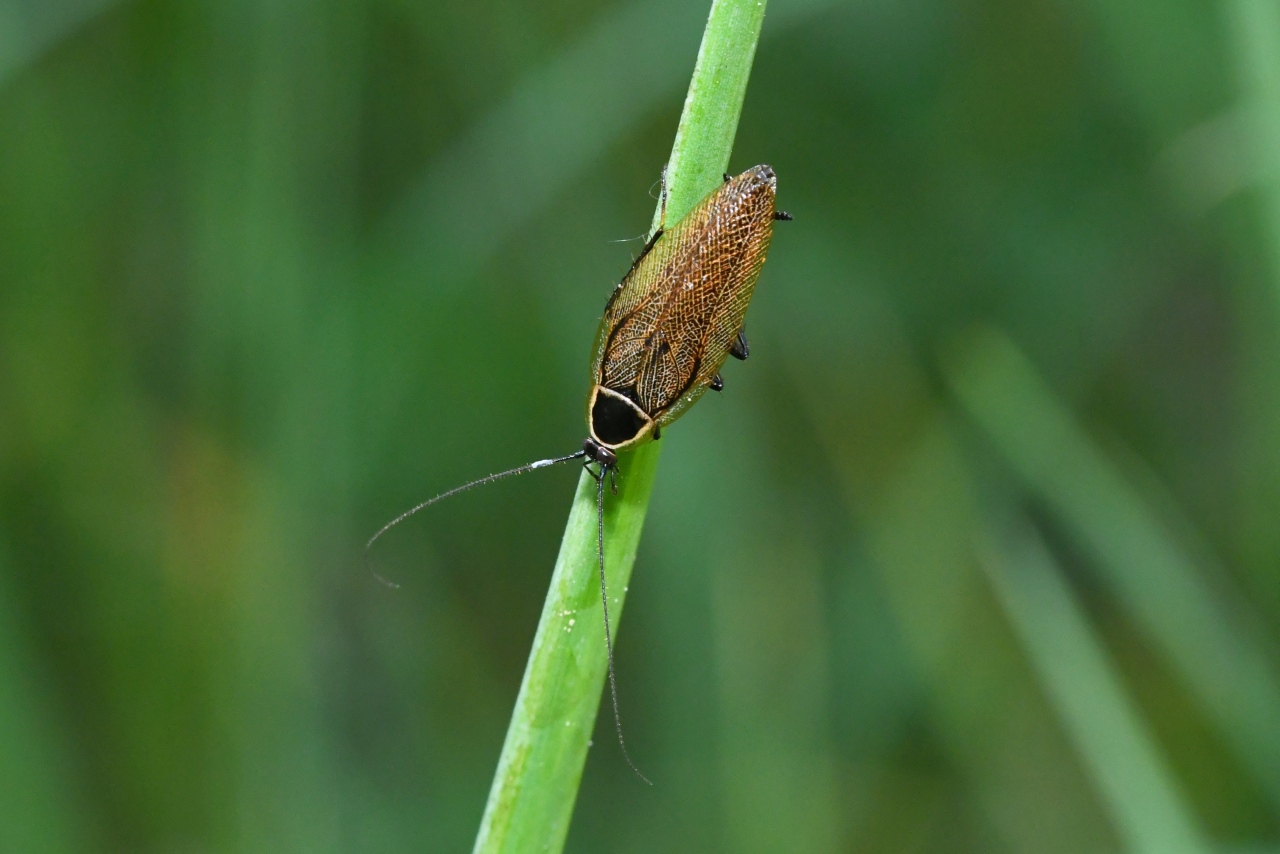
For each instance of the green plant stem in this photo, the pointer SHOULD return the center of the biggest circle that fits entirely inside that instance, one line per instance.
(536, 784)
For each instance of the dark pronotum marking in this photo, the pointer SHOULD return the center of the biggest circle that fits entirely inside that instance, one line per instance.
(615, 421)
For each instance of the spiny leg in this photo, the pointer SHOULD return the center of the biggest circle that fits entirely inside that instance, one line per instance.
(608, 635)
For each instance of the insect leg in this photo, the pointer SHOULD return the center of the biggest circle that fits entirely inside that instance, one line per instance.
(783, 215)
(739, 349)
(717, 384)
(608, 635)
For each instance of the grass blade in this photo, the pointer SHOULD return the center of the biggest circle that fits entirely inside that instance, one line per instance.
(536, 784)
(1198, 627)
(1254, 30)
(1255, 27)
(1082, 683)
(38, 811)
(28, 31)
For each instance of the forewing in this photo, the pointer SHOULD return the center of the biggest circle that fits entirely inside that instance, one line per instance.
(668, 328)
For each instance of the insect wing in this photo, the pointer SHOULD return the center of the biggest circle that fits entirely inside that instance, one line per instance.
(668, 327)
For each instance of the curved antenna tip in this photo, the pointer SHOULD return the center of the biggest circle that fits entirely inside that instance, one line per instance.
(536, 464)
(384, 581)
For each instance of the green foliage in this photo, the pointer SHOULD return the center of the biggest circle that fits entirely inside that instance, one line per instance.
(977, 553)
(538, 775)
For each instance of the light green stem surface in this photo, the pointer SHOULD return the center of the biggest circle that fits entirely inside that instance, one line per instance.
(536, 784)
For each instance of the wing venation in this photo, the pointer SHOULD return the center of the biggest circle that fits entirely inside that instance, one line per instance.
(669, 328)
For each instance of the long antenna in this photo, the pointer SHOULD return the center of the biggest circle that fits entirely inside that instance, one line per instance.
(537, 464)
(608, 638)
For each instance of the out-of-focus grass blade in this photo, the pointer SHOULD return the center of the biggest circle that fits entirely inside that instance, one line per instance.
(556, 123)
(781, 790)
(1133, 37)
(267, 320)
(907, 490)
(781, 779)
(1254, 30)
(990, 714)
(1255, 27)
(1191, 621)
(1083, 686)
(29, 29)
(558, 120)
(36, 810)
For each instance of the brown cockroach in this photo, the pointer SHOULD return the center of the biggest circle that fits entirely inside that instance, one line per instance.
(667, 329)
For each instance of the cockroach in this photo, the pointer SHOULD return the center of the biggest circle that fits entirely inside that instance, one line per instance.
(666, 331)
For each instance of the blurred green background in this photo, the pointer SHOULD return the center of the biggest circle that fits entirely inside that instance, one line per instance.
(980, 552)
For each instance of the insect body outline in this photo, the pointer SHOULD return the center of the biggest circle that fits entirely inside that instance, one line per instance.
(666, 330)
(678, 314)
